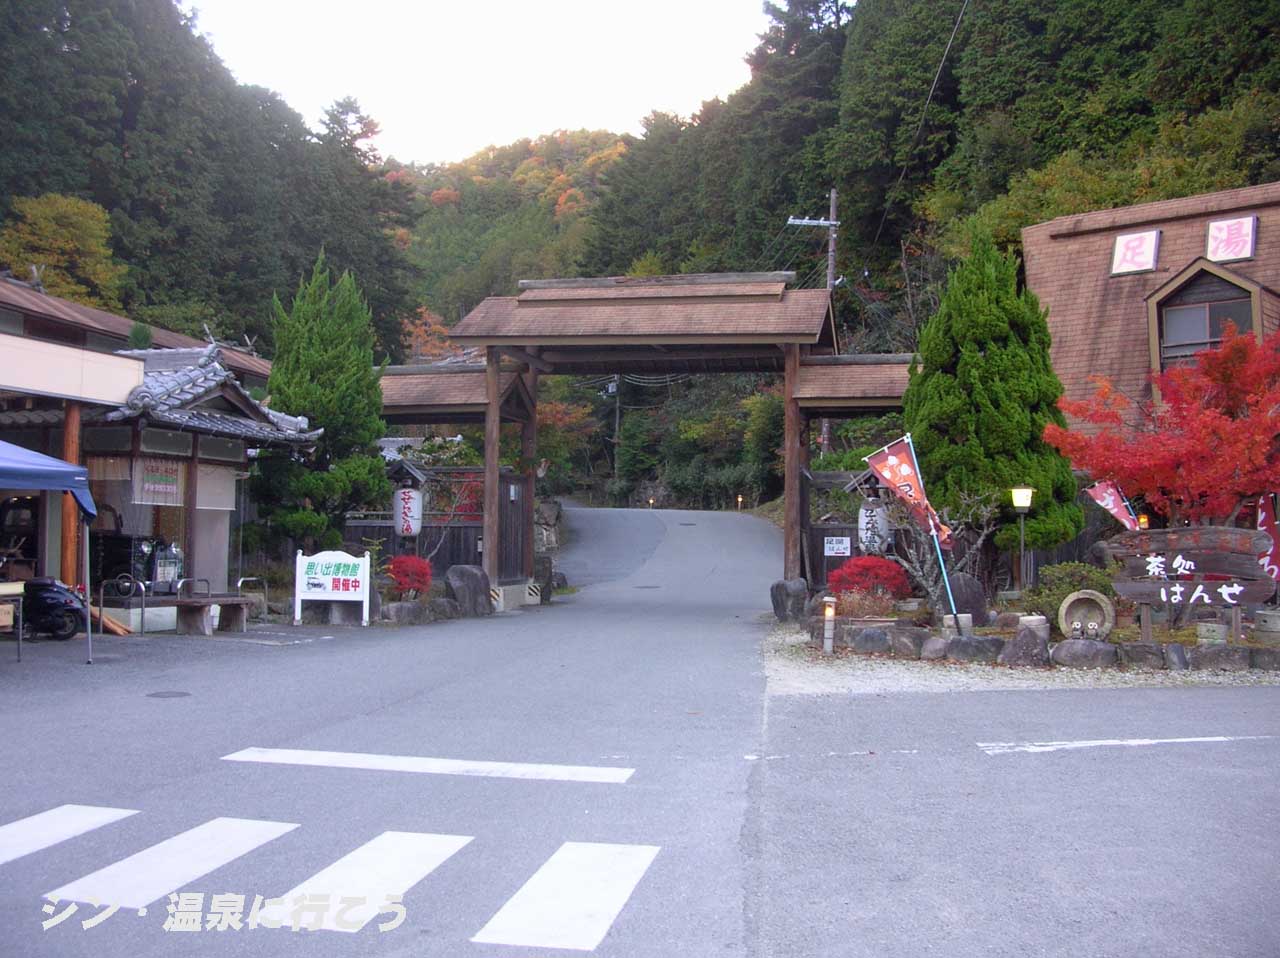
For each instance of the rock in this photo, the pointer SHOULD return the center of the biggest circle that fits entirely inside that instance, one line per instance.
(1084, 654)
(444, 608)
(965, 648)
(954, 625)
(542, 576)
(813, 606)
(1175, 657)
(409, 612)
(1141, 655)
(970, 596)
(789, 597)
(346, 613)
(1266, 659)
(1007, 620)
(1027, 649)
(559, 581)
(468, 585)
(906, 641)
(1219, 657)
(282, 607)
(1036, 623)
(873, 641)
(934, 647)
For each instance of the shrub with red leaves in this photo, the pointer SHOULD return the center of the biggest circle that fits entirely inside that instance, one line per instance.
(411, 574)
(870, 574)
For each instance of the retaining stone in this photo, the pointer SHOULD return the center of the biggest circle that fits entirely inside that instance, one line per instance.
(906, 642)
(1175, 657)
(1141, 655)
(1266, 659)
(1007, 620)
(934, 647)
(1084, 654)
(445, 608)
(468, 585)
(1220, 657)
(964, 648)
(872, 641)
(1027, 648)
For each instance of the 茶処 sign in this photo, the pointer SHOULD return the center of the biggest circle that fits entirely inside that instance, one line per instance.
(1215, 566)
(331, 577)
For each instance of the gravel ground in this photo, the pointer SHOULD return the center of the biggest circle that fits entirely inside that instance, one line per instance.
(793, 668)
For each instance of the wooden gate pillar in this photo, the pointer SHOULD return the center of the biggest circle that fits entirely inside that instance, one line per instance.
(70, 510)
(791, 530)
(492, 440)
(529, 453)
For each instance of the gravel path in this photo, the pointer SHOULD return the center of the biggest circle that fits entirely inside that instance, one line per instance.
(793, 668)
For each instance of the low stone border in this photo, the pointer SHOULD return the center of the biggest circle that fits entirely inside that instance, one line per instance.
(1029, 649)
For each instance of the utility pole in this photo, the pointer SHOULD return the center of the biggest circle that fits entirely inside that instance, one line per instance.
(831, 223)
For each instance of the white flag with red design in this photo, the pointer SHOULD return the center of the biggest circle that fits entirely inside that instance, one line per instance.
(1107, 494)
(895, 465)
(1269, 560)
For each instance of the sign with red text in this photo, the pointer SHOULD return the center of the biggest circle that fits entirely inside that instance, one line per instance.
(1107, 494)
(895, 465)
(1269, 558)
(331, 577)
(406, 511)
(1231, 239)
(1135, 252)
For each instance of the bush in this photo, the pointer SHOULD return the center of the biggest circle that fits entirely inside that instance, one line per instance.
(870, 574)
(1059, 581)
(411, 574)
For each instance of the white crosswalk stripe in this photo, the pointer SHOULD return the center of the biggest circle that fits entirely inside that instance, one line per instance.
(572, 901)
(166, 867)
(35, 832)
(389, 865)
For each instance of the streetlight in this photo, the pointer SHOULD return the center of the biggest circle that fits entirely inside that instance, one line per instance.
(651, 502)
(1021, 505)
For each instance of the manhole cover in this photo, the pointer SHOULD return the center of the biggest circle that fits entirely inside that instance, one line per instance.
(688, 523)
(648, 587)
(168, 695)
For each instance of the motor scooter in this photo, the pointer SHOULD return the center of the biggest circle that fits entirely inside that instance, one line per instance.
(51, 606)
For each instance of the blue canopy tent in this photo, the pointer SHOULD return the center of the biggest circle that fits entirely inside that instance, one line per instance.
(23, 469)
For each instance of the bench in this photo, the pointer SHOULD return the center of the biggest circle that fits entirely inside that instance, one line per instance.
(195, 613)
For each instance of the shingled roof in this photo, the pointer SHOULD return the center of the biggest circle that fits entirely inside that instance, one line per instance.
(853, 382)
(443, 393)
(706, 308)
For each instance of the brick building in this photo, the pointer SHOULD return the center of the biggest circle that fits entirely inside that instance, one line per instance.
(1132, 290)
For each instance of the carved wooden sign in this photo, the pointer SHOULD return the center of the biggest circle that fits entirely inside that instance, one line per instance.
(1215, 566)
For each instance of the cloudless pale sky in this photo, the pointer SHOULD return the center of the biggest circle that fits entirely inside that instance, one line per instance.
(446, 79)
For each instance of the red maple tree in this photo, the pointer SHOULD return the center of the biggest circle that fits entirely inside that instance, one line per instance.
(1205, 446)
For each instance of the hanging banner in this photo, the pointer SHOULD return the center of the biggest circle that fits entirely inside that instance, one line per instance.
(1107, 494)
(1269, 560)
(895, 465)
(406, 510)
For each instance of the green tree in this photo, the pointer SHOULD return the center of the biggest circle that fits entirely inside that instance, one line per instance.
(66, 239)
(978, 404)
(324, 370)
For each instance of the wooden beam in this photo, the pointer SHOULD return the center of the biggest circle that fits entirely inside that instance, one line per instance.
(69, 562)
(529, 455)
(672, 353)
(792, 464)
(528, 358)
(861, 359)
(688, 279)
(492, 440)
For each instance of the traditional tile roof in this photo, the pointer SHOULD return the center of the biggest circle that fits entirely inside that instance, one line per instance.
(176, 381)
(26, 299)
(672, 309)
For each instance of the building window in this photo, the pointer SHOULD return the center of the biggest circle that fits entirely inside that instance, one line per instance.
(1193, 318)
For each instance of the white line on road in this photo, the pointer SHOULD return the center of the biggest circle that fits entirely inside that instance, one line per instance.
(389, 865)
(601, 774)
(35, 832)
(572, 900)
(168, 866)
(1003, 748)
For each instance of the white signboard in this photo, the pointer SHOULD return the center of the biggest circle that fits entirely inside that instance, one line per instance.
(1231, 239)
(835, 546)
(331, 577)
(406, 511)
(1135, 252)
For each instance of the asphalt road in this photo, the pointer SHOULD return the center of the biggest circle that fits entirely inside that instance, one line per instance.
(608, 775)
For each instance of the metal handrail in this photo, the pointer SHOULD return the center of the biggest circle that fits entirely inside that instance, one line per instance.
(266, 598)
(135, 586)
(208, 587)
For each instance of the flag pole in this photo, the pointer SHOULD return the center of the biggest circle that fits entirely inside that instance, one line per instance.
(933, 531)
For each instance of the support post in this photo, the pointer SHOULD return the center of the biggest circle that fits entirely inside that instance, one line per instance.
(70, 554)
(492, 438)
(529, 453)
(791, 472)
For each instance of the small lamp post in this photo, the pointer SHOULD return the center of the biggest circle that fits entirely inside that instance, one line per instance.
(828, 624)
(739, 502)
(1144, 521)
(651, 502)
(1021, 505)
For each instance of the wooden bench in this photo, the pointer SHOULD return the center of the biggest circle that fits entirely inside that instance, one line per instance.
(195, 613)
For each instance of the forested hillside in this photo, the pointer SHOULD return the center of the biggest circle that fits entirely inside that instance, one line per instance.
(931, 118)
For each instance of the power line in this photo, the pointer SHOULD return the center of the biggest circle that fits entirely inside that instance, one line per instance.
(920, 129)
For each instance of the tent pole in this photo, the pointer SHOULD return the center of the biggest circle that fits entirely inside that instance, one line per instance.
(88, 611)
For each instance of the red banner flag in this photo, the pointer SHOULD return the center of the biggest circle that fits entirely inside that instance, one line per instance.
(1269, 560)
(895, 465)
(1107, 494)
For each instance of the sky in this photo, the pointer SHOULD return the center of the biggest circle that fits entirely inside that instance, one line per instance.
(446, 79)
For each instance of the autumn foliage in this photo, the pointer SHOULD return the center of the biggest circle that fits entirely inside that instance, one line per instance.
(411, 574)
(870, 574)
(1203, 448)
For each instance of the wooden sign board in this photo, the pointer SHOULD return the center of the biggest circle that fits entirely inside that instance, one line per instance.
(1196, 591)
